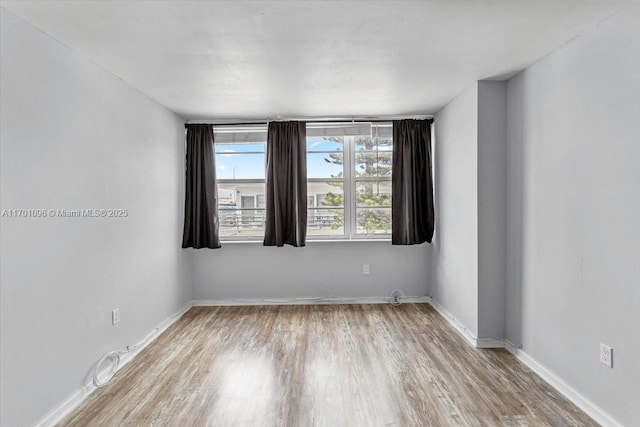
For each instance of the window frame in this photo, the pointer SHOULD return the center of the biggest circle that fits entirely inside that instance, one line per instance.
(240, 181)
(350, 195)
(328, 180)
(374, 179)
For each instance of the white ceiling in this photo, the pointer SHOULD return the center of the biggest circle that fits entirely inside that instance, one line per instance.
(278, 59)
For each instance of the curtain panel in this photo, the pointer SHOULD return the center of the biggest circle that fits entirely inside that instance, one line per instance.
(201, 195)
(286, 184)
(412, 183)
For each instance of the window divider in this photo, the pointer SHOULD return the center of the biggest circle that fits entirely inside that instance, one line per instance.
(349, 187)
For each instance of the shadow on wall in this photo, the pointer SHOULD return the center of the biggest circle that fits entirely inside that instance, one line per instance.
(516, 209)
(434, 252)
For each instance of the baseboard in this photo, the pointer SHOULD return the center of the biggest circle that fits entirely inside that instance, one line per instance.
(594, 411)
(79, 396)
(304, 301)
(457, 325)
(489, 343)
(464, 332)
(590, 408)
(66, 407)
(582, 402)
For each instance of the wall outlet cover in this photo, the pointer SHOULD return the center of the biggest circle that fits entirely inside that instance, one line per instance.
(606, 355)
(115, 316)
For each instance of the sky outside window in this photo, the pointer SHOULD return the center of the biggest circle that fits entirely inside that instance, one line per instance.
(247, 160)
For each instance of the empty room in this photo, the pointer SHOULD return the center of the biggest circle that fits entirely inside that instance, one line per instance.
(320, 213)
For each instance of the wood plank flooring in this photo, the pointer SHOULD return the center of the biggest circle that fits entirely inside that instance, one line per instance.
(322, 365)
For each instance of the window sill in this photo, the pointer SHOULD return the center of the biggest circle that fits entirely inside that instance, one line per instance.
(311, 241)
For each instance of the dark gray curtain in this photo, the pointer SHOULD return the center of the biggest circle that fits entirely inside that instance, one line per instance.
(412, 218)
(201, 194)
(286, 182)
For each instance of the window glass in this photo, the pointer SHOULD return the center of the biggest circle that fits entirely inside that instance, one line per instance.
(241, 223)
(373, 220)
(373, 144)
(240, 160)
(325, 165)
(325, 222)
(324, 144)
(373, 193)
(373, 163)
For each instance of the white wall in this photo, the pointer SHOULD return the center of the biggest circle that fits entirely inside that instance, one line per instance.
(455, 244)
(574, 213)
(318, 270)
(74, 136)
(492, 208)
(468, 274)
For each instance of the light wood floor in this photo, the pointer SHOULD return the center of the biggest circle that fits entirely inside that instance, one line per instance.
(322, 365)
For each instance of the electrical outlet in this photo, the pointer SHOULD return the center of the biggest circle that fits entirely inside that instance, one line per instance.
(365, 269)
(606, 355)
(115, 316)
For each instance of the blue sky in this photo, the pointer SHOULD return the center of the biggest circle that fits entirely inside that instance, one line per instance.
(251, 166)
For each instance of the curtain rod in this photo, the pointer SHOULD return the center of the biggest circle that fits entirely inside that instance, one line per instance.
(309, 120)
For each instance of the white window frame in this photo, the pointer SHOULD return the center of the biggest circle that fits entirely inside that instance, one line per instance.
(236, 182)
(349, 189)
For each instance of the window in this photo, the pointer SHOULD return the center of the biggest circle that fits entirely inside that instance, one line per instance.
(348, 180)
(240, 171)
(325, 185)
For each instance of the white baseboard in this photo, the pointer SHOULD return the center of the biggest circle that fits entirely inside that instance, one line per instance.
(582, 402)
(304, 301)
(457, 325)
(590, 408)
(66, 407)
(75, 399)
(79, 396)
(489, 343)
(466, 333)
